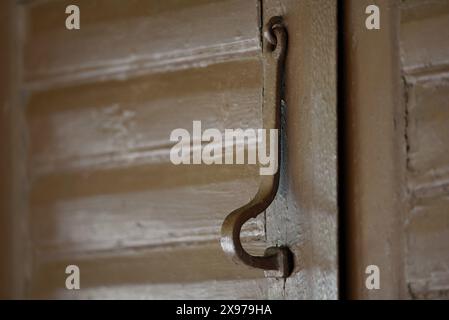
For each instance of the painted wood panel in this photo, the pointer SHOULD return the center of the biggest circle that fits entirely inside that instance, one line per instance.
(428, 246)
(92, 184)
(217, 290)
(372, 126)
(424, 31)
(395, 124)
(100, 105)
(118, 40)
(304, 213)
(6, 193)
(425, 61)
(129, 122)
(161, 265)
(428, 131)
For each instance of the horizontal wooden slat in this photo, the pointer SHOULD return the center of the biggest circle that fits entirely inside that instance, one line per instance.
(101, 103)
(415, 10)
(425, 59)
(141, 218)
(424, 30)
(110, 186)
(124, 123)
(99, 160)
(180, 264)
(428, 133)
(144, 36)
(427, 233)
(215, 290)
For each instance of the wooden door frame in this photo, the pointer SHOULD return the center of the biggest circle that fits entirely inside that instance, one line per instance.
(304, 215)
(372, 153)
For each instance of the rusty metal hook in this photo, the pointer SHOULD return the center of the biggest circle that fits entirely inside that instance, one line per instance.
(276, 259)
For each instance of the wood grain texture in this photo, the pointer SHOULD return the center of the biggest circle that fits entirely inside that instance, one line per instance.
(397, 133)
(15, 228)
(375, 152)
(119, 40)
(202, 262)
(427, 229)
(92, 181)
(304, 213)
(428, 132)
(6, 58)
(99, 106)
(424, 32)
(216, 290)
(139, 218)
(425, 61)
(129, 122)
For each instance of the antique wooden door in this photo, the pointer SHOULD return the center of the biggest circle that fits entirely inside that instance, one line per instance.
(86, 121)
(85, 142)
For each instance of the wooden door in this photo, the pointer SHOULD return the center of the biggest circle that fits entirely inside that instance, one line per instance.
(87, 118)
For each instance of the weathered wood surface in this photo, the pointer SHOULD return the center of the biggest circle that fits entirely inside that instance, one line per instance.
(99, 106)
(397, 135)
(93, 184)
(425, 62)
(304, 214)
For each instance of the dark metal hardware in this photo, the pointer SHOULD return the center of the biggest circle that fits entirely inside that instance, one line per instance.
(276, 259)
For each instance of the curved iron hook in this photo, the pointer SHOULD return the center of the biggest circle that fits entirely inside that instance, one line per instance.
(277, 259)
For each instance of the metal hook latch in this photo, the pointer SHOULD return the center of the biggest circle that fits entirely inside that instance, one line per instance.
(276, 259)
